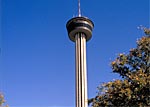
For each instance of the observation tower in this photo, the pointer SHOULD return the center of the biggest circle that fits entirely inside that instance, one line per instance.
(80, 31)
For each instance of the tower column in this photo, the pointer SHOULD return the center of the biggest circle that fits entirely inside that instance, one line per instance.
(80, 31)
(81, 71)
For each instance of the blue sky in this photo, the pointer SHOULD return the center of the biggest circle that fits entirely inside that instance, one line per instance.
(37, 58)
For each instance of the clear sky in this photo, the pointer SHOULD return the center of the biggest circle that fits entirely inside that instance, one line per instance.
(38, 59)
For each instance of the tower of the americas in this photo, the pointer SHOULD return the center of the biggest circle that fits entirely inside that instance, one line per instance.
(80, 31)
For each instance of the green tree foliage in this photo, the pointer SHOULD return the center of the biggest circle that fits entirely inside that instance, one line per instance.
(134, 89)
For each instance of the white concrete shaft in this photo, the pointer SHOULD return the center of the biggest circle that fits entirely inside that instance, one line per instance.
(81, 71)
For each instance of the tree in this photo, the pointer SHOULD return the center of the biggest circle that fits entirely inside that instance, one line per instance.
(134, 87)
(2, 100)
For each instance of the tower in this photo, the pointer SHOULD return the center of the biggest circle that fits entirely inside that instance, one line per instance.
(80, 30)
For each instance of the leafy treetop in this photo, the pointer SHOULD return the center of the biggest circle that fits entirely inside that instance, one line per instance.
(134, 88)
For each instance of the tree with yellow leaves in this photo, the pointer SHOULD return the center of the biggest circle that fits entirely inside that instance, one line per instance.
(134, 89)
(2, 101)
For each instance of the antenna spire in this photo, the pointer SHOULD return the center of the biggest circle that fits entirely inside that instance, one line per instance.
(79, 9)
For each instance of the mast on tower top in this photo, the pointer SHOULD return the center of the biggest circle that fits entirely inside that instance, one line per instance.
(79, 9)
